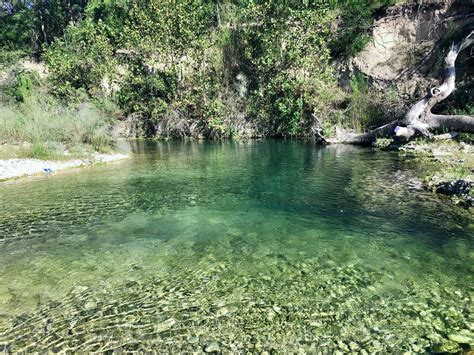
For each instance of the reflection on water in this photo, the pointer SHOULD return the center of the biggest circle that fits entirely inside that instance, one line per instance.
(254, 246)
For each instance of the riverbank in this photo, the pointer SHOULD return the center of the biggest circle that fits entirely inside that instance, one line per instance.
(449, 167)
(16, 168)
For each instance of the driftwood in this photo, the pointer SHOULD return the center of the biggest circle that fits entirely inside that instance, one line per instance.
(419, 120)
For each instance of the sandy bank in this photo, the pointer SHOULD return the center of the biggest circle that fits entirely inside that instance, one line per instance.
(14, 168)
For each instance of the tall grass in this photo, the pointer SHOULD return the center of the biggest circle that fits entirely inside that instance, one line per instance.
(40, 128)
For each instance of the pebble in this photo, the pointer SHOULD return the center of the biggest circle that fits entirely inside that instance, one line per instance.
(90, 305)
(277, 309)
(342, 346)
(193, 340)
(167, 324)
(463, 337)
(353, 346)
(211, 348)
(222, 312)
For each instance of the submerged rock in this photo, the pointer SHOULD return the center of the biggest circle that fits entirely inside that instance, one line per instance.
(353, 346)
(456, 187)
(460, 189)
(193, 340)
(462, 337)
(211, 348)
(166, 325)
(447, 346)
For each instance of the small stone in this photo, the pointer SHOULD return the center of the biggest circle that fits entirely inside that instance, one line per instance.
(376, 345)
(463, 337)
(90, 305)
(211, 348)
(416, 348)
(353, 346)
(166, 325)
(434, 337)
(222, 312)
(193, 340)
(448, 346)
(342, 346)
(277, 309)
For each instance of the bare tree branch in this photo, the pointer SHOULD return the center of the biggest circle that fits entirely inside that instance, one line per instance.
(419, 119)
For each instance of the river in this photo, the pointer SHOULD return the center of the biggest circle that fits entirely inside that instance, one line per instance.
(258, 246)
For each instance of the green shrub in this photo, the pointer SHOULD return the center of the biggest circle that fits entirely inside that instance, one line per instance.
(19, 86)
(468, 110)
(367, 107)
(206, 68)
(40, 150)
(353, 32)
(79, 61)
(46, 128)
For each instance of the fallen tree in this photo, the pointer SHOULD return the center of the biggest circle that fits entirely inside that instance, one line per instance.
(419, 121)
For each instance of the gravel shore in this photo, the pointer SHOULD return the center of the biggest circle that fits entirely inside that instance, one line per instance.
(15, 168)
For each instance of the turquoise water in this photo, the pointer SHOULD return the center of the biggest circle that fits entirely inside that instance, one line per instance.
(255, 246)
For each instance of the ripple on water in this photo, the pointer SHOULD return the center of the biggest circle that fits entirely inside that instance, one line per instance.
(223, 247)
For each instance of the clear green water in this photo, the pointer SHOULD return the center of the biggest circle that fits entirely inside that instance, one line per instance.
(259, 246)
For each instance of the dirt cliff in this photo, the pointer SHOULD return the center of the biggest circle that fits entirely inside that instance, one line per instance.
(407, 47)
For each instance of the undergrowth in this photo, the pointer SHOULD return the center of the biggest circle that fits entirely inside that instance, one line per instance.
(40, 130)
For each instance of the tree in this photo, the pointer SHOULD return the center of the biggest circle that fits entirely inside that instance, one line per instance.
(17, 29)
(419, 120)
(29, 25)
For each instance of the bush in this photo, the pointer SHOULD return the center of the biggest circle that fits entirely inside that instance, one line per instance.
(353, 32)
(44, 129)
(214, 69)
(81, 60)
(368, 108)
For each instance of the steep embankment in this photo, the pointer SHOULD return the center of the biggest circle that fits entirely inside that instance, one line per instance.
(406, 51)
(404, 59)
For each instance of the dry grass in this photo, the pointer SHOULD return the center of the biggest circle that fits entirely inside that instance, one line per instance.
(42, 130)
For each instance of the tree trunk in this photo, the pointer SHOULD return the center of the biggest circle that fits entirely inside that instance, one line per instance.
(419, 119)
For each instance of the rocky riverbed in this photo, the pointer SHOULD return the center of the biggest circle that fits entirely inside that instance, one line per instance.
(308, 306)
(162, 254)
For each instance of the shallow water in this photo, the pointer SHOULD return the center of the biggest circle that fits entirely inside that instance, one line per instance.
(264, 245)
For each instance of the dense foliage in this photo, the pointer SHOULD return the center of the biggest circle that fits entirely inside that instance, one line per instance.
(29, 25)
(196, 67)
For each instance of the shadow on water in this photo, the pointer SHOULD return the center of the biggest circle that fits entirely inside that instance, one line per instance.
(255, 245)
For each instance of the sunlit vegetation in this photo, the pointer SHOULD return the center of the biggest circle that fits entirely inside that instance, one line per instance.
(196, 68)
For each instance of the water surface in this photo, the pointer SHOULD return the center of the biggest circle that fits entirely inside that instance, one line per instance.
(263, 245)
